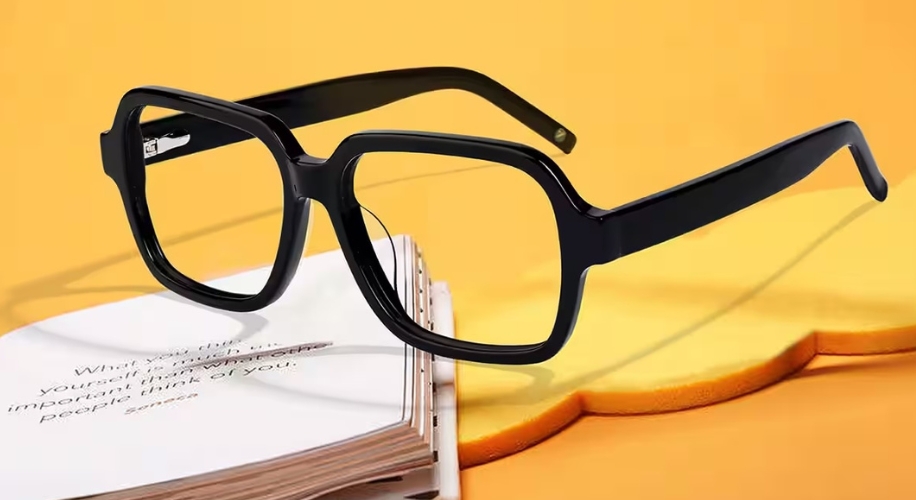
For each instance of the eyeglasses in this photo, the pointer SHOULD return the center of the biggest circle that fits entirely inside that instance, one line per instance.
(583, 235)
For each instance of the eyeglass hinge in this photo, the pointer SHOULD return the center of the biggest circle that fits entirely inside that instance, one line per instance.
(610, 247)
(159, 145)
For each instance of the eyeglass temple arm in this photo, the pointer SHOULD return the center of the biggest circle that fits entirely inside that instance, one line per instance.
(681, 209)
(340, 97)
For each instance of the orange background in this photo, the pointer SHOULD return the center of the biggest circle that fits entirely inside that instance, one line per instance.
(839, 430)
(658, 92)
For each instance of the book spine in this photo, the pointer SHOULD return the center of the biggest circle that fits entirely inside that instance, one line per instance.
(445, 399)
(443, 324)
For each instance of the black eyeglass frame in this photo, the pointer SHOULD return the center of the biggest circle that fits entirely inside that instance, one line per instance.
(588, 235)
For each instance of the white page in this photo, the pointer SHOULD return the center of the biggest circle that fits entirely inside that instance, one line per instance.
(219, 417)
(443, 478)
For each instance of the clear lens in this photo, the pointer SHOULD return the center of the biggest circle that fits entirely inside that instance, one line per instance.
(217, 213)
(487, 230)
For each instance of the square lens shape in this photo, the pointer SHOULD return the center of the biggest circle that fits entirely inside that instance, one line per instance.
(218, 213)
(486, 229)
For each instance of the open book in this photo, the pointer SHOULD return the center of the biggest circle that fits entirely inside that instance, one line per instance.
(156, 397)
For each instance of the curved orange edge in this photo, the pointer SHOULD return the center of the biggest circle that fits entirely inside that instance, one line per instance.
(793, 359)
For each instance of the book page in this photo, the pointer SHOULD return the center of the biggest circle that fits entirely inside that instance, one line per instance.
(156, 388)
(442, 480)
(420, 484)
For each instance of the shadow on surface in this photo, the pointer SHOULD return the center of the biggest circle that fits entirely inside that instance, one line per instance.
(877, 364)
(541, 386)
(60, 285)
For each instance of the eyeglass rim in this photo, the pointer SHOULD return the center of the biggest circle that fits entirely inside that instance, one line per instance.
(306, 179)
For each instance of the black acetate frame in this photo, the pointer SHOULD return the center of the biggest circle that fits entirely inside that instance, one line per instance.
(588, 235)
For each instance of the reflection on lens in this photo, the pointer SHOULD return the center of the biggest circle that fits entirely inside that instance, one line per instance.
(488, 230)
(197, 201)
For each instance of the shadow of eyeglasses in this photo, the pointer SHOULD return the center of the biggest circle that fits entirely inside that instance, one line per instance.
(59, 285)
(542, 377)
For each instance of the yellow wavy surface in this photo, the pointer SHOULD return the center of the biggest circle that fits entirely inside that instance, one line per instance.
(700, 320)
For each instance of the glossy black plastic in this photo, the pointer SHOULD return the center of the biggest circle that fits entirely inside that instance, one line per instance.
(588, 235)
